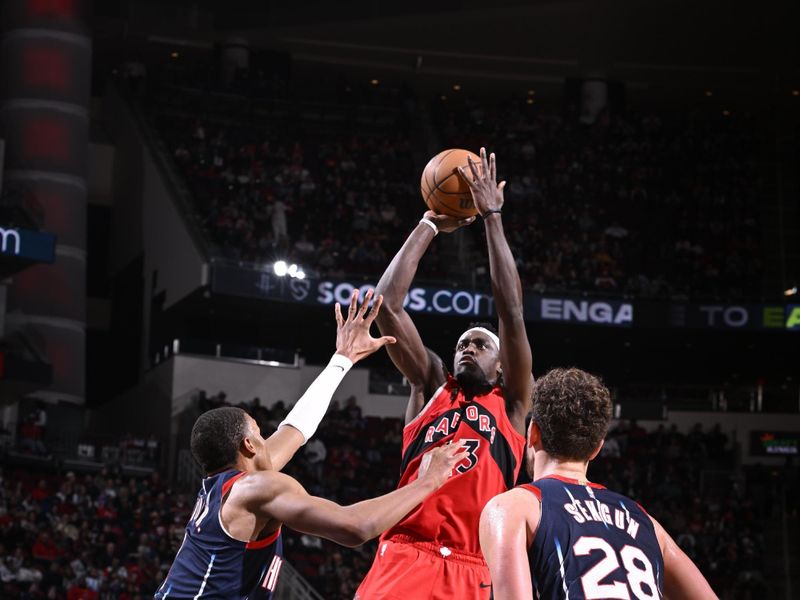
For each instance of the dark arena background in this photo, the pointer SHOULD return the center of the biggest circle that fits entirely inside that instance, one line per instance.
(189, 187)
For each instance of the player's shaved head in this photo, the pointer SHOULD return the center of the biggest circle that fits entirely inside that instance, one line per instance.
(573, 410)
(217, 436)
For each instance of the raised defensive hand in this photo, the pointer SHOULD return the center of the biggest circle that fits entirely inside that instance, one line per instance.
(487, 194)
(353, 339)
(438, 464)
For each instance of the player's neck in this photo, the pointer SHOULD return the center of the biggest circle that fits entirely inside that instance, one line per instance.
(244, 465)
(476, 388)
(545, 465)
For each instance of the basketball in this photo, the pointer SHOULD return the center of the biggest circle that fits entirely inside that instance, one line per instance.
(444, 189)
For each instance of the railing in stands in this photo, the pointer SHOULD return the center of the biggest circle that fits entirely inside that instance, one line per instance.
(292, 586)
(271, 357)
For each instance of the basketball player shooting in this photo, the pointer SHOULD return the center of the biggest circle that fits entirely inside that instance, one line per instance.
(232, 544)
(434, 552)
(566, 537)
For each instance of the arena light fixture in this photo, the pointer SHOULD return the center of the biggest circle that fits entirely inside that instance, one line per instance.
(531, 92)
(791, 291)
(374, 81)
(281, 268)
(284, 269)
(709, 93)
(456, 87)
(795, 92)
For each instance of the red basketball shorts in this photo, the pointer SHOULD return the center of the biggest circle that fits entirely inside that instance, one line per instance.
(405, 569)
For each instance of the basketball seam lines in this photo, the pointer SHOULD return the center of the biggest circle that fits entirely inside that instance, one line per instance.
(435, 187)
(436, 200)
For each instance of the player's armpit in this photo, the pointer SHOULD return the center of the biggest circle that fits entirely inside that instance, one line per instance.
(421, 394)
(507, 525)
(682, 579)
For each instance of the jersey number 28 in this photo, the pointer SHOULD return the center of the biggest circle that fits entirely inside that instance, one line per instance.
(638, 570)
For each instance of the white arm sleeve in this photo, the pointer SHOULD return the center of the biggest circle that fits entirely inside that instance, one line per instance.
(312, 406)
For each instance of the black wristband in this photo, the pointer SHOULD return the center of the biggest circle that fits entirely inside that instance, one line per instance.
(490, 212)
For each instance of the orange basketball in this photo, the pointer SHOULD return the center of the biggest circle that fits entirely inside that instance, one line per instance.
(444, 189)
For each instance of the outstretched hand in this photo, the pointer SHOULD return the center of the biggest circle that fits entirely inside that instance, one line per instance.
(446, 223)
(437, 465)
(487, 194)
(353, 339)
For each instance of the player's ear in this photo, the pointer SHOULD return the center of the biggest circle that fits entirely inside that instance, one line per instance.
(248, 449)
(534, 435)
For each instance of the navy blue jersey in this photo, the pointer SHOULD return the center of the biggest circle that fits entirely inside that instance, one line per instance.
(592, 543)
(212, 564)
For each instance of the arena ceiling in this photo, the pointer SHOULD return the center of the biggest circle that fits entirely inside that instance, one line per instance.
(653, 42)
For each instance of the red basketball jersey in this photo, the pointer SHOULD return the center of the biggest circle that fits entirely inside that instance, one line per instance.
(450, 515)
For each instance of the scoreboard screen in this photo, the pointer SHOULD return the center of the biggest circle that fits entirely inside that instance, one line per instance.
(775, 443)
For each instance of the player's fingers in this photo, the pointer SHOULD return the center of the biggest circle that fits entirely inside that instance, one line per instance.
(473, 167)
(501, 186)
(469, 181)
(459, 456)
(455, 447)
(337, 311)
(493, 167)
(375, 309)
(365, 305)
(466, 221)
(353, 305)
(385, 340)
(484, 162)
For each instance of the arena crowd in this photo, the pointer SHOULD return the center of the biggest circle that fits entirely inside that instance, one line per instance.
(643, 203)
(102, 536)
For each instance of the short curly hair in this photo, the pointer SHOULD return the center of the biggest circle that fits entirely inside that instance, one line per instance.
(216, 437)
(573, 410)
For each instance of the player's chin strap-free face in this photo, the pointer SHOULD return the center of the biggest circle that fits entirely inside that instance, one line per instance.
(483, 330)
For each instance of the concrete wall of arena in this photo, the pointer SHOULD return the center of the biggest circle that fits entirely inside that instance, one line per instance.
(148, 218)
(242, 381)
(164, 234)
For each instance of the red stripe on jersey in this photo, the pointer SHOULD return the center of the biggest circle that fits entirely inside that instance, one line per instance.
(533, 490)
(257, 544)
(226, 487)
(596, 486)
